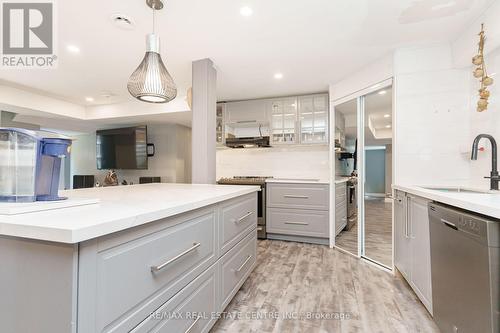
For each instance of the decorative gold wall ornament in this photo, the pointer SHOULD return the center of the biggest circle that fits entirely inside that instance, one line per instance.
(481, 73)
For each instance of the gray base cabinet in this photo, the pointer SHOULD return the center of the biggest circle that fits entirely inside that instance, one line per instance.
(170, 275)
(412, 244)
(340, 207)
(298, 212)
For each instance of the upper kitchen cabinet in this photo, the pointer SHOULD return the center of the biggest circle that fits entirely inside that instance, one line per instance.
(243, 112)
(340, 141)
(313, 118)
(220, 123)
(286, 120)
(283, 120)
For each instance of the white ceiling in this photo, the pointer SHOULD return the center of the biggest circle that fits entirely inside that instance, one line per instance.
(313, 43)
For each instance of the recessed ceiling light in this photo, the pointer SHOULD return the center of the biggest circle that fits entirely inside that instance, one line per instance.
(387, 126)
(246, 11)
(382, 92)
(278, 76)
(73, 48)
(387, 115)
(89, 99)
(444, 5)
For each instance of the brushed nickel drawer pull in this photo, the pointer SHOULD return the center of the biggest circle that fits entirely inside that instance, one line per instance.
(190, 328)
(297, 223)
(296, 196)
(243, 217)
(177, 257)
(243, 264)
(260, 228)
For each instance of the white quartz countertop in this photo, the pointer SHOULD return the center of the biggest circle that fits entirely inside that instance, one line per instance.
(483, 203)
(119, 208)
(298, 181)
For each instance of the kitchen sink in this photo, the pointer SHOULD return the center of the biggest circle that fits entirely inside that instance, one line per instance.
(458, 189)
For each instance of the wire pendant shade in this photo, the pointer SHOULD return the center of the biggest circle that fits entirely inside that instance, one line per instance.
(151, 81)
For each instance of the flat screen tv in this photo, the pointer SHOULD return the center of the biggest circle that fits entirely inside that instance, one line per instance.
(122, 148)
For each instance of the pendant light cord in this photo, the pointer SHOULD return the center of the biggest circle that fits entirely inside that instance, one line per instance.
(154, 19)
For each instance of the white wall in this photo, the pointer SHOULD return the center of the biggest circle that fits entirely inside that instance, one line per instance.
(172, 160)
(368, 76)
(311, 162)
(487, 122)
(431, 114)
(436, 117)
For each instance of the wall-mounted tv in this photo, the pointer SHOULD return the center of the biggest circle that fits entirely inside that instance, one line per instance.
(122, 148)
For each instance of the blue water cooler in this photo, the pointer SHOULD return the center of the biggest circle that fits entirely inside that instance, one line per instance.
(30, 164)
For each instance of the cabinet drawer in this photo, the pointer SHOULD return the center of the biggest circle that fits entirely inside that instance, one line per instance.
(238, 217)
(235, 267)
(341, 200)
(142, 272)
(297, 222)
(340, 190)
(341, 210)
(302, 196)
(191, 310)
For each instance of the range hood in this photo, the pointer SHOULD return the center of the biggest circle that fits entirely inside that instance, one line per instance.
(248, 142)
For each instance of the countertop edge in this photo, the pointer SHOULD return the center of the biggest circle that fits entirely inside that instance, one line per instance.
(75, 236)
(452, 200)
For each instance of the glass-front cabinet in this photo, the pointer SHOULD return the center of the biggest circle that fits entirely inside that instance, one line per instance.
(287, 120)
(313, 118)
(220, 137)
(283, 120)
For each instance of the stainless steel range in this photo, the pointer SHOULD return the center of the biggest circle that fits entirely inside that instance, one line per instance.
(261, 199)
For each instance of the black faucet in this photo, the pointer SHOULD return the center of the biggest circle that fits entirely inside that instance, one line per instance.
(494, 177)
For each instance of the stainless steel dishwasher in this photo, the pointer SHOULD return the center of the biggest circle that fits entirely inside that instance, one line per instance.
(465, 265)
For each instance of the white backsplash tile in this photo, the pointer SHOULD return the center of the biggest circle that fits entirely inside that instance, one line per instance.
(288, 162)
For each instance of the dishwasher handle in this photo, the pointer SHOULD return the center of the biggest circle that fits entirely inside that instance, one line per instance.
(449, 224)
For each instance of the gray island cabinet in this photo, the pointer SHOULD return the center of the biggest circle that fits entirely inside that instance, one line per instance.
(171, 274)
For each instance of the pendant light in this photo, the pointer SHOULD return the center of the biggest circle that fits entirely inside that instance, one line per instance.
(151, 82)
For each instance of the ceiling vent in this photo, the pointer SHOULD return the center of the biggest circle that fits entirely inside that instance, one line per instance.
(122, 21)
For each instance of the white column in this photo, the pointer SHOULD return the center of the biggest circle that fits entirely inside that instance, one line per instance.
(203, 124)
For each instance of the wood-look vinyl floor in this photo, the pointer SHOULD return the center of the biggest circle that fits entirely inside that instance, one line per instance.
(296, 279)
(378, 232)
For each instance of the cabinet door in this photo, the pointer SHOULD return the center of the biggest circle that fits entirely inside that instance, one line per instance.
(402, 248)
(313, 118)
(283, 120)
(421, 257)
(247, 111)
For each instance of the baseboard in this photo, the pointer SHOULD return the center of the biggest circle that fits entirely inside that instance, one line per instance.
(300, 239)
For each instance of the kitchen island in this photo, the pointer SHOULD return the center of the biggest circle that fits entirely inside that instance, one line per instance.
(167, 257)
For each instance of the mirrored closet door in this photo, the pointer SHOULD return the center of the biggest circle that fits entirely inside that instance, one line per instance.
(346, 203)
(363, 175)
(377, 208)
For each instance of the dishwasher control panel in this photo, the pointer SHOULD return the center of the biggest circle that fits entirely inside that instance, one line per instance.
(470, 225)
